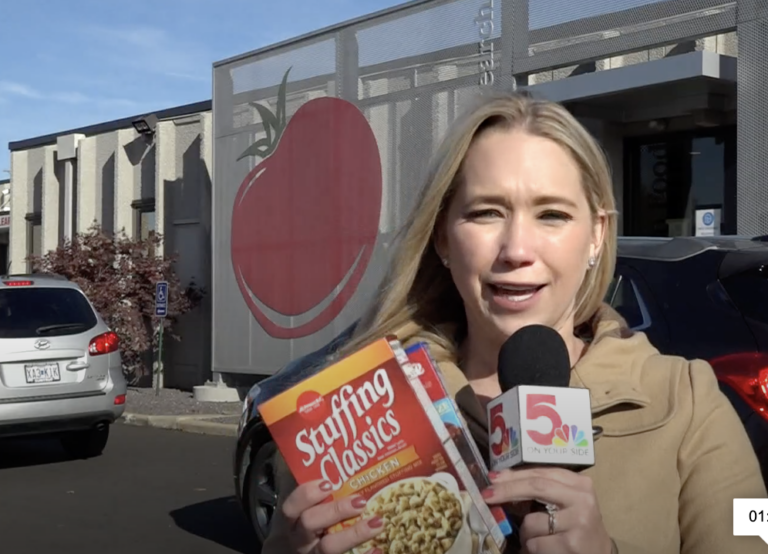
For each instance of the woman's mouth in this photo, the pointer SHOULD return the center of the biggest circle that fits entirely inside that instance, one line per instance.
(514, 294)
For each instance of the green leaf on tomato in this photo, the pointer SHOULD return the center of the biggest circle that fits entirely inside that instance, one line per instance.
(273, 123)
(281, 101)
(261, 148)
(268, 119)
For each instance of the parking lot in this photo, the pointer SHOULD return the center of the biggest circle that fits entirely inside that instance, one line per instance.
(152, 491)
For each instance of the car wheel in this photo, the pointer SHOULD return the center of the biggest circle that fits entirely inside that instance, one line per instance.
(262, 494)
(87, 443)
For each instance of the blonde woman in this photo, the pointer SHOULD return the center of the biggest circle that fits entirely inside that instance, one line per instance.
(517, 225)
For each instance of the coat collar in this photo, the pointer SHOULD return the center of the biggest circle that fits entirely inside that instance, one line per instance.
(612, 366)
(629, 392)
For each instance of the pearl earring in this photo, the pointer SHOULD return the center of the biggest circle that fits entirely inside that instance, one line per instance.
(592, 261)
(445, 262)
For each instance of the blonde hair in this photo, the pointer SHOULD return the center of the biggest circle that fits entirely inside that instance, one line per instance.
(417, 299)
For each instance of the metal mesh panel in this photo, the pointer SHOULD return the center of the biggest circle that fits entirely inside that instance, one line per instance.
(752, 154)
(410, 70)
(563, 33)
(408, 90)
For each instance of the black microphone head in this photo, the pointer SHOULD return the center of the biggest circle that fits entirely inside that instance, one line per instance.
(534, 355)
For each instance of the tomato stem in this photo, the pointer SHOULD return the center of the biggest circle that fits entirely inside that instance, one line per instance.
(274, 124)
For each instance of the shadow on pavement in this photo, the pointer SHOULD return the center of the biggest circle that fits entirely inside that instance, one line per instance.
(32, 451)
(221, 521)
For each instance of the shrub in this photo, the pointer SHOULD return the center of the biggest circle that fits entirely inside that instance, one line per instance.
(119, 274)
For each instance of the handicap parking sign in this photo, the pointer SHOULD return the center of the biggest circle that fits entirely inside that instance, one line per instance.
(161, 299)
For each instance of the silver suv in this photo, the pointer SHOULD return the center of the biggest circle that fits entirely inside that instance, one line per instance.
(60, 365)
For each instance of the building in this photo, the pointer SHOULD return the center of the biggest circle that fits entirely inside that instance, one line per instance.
(139, 174)
(675, 90)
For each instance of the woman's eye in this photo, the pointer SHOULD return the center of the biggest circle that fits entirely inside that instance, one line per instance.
(483, 214)
(555, 216)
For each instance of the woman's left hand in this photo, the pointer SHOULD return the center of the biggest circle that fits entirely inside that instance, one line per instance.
(578, 524)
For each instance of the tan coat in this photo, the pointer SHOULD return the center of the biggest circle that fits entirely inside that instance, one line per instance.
(672, 457)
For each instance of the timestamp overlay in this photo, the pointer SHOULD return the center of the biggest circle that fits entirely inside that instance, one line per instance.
(750, 517)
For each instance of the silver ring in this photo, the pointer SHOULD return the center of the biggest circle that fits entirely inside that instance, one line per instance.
(551, 509)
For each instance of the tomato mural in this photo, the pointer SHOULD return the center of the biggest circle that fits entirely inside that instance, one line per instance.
(306, 218)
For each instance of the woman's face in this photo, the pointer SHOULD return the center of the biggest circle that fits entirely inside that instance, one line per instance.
(518, 235)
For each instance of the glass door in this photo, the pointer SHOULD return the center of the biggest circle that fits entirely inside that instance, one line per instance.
(671, 176)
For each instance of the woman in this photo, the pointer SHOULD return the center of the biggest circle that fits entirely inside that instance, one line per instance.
(517, 226)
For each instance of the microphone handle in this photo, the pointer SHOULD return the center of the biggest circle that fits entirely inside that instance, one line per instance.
(537, 506)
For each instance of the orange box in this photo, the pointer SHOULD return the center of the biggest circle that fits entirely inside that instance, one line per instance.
(369, 430)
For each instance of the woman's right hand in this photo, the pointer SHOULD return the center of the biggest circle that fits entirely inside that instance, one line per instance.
(309, 517)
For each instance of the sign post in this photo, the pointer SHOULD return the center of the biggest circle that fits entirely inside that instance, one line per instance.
(161, 311)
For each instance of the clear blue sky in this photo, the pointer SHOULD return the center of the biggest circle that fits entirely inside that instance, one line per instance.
(66, 64)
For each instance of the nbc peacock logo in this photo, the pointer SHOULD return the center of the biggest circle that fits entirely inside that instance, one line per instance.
(569, 434)
(514, 439)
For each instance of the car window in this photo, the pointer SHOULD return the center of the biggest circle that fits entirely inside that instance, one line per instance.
(39, 311)
(623, 297)
(749, 291)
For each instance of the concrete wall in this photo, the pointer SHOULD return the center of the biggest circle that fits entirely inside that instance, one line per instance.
(184, 169)
(113, 170)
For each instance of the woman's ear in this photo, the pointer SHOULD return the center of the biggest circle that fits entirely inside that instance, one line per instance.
(598, 233)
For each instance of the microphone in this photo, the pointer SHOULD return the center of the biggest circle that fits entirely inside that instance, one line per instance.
(538, 418)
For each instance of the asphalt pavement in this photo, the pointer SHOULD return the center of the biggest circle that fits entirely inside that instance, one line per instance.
(152, 491)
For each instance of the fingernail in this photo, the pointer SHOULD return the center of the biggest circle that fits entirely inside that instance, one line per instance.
(374, 551)
(375, 522)
(493, 475)
(359, 502)
(325, 486)
(487, 493)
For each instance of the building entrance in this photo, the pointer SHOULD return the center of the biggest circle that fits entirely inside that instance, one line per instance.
(671, 176)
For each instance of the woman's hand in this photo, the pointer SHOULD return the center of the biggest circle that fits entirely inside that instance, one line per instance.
(578, 524)
(309, 520)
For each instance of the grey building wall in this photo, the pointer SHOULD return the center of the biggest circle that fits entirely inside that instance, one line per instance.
(752, 196)
(115, 172)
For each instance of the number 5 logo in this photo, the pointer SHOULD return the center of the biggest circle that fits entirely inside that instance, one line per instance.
(538, 405)
(497, 424)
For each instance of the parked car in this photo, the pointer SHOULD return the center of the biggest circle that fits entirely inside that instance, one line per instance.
(697, 297)
(60, 365)
(705, 297)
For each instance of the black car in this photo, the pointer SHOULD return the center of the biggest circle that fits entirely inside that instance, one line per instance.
(704, 297)
(696, 297)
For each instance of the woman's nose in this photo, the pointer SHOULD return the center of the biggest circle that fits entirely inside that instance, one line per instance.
(517, 241)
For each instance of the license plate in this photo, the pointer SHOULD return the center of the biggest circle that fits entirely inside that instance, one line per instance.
(44, 373)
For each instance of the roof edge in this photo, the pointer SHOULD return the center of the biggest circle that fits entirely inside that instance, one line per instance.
(664, 71)
(327, 30)
(108, 126)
